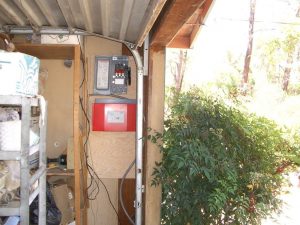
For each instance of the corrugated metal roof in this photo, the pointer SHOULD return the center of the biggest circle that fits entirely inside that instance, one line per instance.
(125, 20)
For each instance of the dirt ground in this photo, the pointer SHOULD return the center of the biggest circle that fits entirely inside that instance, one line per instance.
(291, 209)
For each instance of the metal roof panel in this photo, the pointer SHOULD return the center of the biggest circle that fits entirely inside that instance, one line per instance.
(121, 20)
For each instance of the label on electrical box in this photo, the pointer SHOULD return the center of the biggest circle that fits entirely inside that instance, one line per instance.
(102, 74)
(119, 81)
(115, 116)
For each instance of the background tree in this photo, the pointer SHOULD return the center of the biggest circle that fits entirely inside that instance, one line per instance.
(249, 48)
(281, 57)
(178, 66)
(220, 165)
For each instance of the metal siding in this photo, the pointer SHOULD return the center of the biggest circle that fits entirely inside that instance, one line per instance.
(12, 12)
(110, 18)
(53, 9)
(31, 11)
(95, 11)
(77, 14)
(115, 16)
(134, 26)
(4, 19)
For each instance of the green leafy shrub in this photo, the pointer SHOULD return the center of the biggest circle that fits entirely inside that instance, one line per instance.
(220, 165)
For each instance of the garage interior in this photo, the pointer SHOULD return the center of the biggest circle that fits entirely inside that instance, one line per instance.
(78, 43)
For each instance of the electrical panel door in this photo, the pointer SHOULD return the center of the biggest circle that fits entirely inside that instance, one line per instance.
(112, 75)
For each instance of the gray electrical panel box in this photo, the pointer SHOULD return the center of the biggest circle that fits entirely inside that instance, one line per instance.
(112, 75)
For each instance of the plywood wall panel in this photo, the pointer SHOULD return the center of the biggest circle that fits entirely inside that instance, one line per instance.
(59, 94)
(112, 152)
(100, 211)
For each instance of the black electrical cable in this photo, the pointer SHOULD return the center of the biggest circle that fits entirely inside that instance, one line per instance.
(118, 96)
(89, 168)
(83, 63)
(95, 179)
(93, 173)
(92, 195)
(109, 198)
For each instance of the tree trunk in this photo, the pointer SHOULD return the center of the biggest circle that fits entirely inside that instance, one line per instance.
(287, 73)
(249, 48)
(179, 70)
(298, 12)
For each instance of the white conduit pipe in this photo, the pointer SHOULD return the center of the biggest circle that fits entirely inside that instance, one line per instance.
(139, 138)
(141, 71)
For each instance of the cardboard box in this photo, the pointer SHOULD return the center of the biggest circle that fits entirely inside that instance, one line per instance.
(10, 136)
(18, 74)
(65, 202)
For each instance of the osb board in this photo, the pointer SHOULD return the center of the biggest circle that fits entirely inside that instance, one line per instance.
(100, 211)
(112, 153)
(59, 94)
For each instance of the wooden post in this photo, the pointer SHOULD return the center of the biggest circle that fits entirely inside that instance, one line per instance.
(155, 121)
(82, 149)
(76, 133)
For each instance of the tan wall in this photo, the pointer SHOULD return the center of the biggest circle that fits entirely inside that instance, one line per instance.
(59, 94)
(100, 211)
(110, 152)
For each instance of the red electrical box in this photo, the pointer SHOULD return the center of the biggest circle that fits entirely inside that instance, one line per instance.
(114, 115)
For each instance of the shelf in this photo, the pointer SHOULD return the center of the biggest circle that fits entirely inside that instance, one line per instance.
(34, 149)
(11, 209)
(59, 172)
(16, 155)
(33, 195)
(21, 207)
(10, 155)
(17, 100)
(37, 175)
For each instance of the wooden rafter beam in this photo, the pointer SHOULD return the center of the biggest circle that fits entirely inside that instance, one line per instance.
(180, 42)
(203, 14)
(45, 51)
(174, 16)
(149, 19)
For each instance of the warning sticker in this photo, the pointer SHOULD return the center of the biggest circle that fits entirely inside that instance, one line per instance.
(115, 116)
